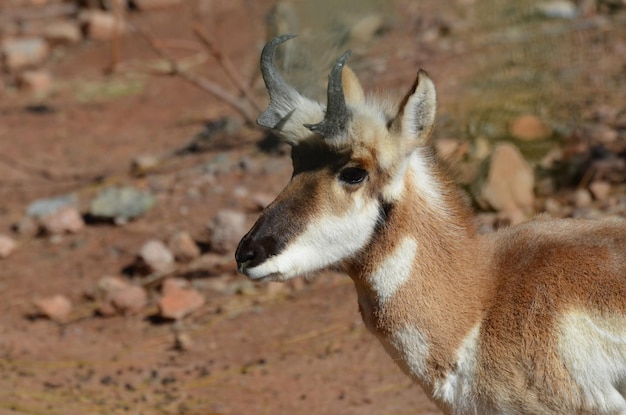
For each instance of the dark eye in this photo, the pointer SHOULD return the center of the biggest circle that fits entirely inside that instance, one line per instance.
(352, 175)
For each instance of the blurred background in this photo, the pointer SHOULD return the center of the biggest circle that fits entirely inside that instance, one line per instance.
(131, 165)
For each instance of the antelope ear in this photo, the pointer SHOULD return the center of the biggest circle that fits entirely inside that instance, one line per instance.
(416, 116)
(352, 88)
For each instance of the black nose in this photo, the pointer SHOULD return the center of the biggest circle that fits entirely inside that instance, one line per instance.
(254, 251)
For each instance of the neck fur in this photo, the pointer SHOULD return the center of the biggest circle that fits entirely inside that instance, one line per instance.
(421, 275)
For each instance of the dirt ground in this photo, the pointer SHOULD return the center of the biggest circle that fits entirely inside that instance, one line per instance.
(300, 350)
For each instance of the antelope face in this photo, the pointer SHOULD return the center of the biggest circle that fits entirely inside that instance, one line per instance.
(347, 169)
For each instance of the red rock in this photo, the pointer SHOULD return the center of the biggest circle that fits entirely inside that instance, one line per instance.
(55, 308)
(129, 300)
(66, 219)
(7, 246)
(529, 128)
(177, 301)
(226, 229)
(183, 246)
(23, 52)
(36, 80)
(156, 256)
(600, 190)
(100, 25)
(62, 31)
(582, 198)
(510, 183)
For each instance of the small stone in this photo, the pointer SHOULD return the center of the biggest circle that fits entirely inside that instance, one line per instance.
(529, 128)
(558, 9)
(39, 81)
(56, 308)
(366, 28)
(65, 220)
(177, 301)
(226, 229)
(121, 203)
(600, 190)
(602, 133)
(129, 300)
(27, 226)
(144, 163)
(107, 285)
(183, 342)
(62, 32)
(552, 206)
(274, 288)
(100, 25)
(156, 256)
(509, 184)
(582, 199)
(214, 264)
(144, 5)
(183, 246)
(23, 52)
(7, 246)
(43, 207)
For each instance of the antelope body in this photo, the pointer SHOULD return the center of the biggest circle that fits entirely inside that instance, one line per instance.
(527, 320)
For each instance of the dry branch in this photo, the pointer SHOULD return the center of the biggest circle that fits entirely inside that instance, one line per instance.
(244, 107)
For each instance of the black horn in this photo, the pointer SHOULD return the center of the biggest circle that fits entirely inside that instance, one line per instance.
(281, 93)
(337, 114)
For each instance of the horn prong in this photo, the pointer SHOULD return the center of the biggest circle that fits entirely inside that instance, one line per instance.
(337, 114)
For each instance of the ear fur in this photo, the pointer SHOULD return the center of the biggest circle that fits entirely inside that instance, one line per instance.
(352, 89)
(416, 116)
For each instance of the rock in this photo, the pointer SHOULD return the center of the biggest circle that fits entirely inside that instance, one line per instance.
(23, 52)
(602, 133)
(145, 162)
(183, 342)
(529, 128)
(128, 300)
(509, 184)
(447, 148)
(178, 300)
(62, 32)
(39, 81)
(121, 204)
(42, 207)
(212, 263)
(600, 190)
(56, 308)
(7, 246)
(226, 229)
(107, 285)
(582, 199)
(27, 226)
(64, 220)
(552, 206)
(183, 246)
(156, 256)
(558, 9)
(101, 25)
(154, 4)
(366, 28)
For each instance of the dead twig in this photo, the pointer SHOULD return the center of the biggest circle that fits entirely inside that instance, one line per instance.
(226, 64)
(242, 106)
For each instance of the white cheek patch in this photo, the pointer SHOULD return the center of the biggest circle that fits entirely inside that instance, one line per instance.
(324, 242)
(394, 271)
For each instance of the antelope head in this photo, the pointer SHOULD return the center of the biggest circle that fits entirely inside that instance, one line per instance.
(350, 163)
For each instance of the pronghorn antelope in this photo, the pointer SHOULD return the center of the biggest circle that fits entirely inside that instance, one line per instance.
(527, 320)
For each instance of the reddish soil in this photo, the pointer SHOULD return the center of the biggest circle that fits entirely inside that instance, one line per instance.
(302, 350)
